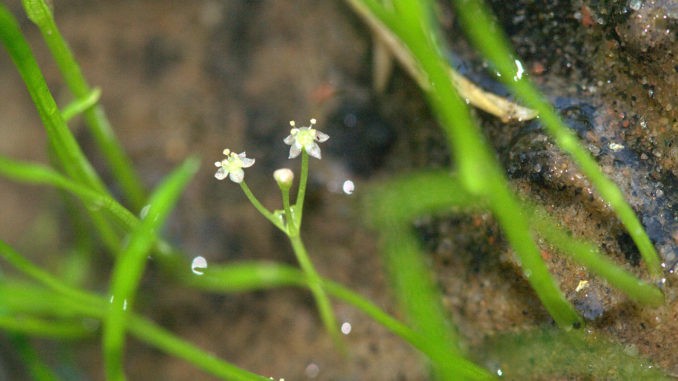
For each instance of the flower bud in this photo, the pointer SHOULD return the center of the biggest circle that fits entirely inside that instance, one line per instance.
(284, 178)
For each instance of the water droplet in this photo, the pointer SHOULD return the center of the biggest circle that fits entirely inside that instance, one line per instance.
(312, 370)
(348, 187)
(198, 265)
(144, 211)
(519, 70)
(346, 328)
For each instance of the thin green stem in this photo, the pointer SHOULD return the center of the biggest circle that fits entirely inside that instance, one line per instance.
(41, 328)
(292, 228)
(514, 223)
(40, 13)
(250, 276)
(66, 149)
(315, 285)
(39, 174)
(261, 208)
(589, 256)
(495, 47)
(86, 303)
(38, 370)
(479, 171)
(301, 193)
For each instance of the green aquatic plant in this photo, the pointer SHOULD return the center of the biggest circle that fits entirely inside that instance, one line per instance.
(477, 171)
(302, 141)
(36, 303)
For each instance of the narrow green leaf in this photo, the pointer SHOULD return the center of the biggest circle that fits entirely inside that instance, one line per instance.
(40, 13)
(39, 174)
(250, 276)
(494, 46)
(81, 302)
(36, 327)
(65, 146)
(37, 368)
(80, 105)
(130, 265)
(589, 256)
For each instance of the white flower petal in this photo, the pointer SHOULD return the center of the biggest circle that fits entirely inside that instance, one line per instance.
(237, 175)
(247, 162)
(294, 151)
(221, 173)
(289, 140)
(321, 136)
(313, 149)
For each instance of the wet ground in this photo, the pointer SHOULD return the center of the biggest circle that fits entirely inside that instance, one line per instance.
(184, 77)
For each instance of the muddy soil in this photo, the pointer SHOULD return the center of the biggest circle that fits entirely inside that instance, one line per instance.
(194, 77)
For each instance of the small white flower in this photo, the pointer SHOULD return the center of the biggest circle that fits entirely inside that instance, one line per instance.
(306, 138)
(232, 166)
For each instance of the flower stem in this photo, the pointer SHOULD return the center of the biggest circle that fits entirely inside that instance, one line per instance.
(292, 228)
(261, 208)
(302, 189)
(315, 285)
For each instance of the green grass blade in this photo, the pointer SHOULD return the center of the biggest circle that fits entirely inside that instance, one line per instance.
(495, 47)
(479, 172)
(160, 338)
(75, 301)
(249, 276)
(36, 327)
(410, 278)
(406, 197)
(588, 255)
(66, 148)
(81, 105)
(129, 268)
(41, 175)
(38, 370)
(40, 13)
(517, 229)
(443, 192)
(62, 142)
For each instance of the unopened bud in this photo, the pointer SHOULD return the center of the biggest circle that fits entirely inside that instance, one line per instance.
(284, 177)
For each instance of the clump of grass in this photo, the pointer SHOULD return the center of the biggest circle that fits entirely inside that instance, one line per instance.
(44, 305)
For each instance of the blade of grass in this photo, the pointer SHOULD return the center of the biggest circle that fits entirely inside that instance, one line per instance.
(40, 13)
(250, 276)
(66, 148)
(38, 370)
(413, 201)
(62, 142)
(417, 294)
(31, 326)
(170, 259)
(479, 172)
(39, 174)
(80, 105)
(404, 198)
(73, 300)
(588, 255)
(495, 47)
(130, 265)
